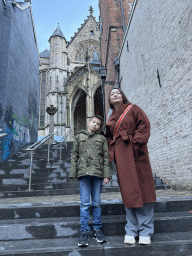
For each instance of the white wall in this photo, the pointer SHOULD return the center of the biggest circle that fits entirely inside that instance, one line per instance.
(160, 37)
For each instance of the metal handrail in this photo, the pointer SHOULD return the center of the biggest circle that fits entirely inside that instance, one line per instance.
(63, 139)
(3, 135)
(33, 147)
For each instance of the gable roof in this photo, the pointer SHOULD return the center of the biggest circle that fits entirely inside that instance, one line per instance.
(82, 26)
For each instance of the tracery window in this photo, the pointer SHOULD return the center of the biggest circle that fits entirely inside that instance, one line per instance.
(77, 56)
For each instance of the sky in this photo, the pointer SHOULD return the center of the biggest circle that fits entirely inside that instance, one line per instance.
(70, 14)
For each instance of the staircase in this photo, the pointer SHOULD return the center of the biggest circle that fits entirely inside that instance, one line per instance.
(47, 179)
(47, 229)
(51, 229)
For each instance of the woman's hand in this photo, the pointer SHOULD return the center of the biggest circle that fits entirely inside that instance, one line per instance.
(106, 180)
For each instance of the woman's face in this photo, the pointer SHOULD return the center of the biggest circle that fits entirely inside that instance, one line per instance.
(115, 97)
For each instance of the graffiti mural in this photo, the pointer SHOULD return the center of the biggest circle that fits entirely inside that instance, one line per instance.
(7, 143)
(18, 131)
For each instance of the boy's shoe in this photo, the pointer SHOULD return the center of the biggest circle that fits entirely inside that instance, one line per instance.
(83, 240)
(129, 239)
(99, 236)
(144, 240)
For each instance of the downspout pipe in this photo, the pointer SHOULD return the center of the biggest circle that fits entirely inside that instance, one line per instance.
(123, 18)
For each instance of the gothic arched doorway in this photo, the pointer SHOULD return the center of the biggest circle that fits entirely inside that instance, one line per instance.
(98, 102)
(80, 113)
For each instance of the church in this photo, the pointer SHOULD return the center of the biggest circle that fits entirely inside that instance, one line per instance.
(70, 80)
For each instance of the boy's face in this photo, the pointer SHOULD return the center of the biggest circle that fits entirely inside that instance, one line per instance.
(94, 125)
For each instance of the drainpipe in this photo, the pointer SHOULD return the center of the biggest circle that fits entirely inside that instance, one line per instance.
(123, 16)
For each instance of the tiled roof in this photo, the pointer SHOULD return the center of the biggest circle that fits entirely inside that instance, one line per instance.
(44, 54)
(58, 32)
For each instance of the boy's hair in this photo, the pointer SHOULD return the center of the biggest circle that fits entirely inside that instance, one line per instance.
(98, 117)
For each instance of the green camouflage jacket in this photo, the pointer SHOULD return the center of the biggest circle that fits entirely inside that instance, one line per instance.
(90, 156)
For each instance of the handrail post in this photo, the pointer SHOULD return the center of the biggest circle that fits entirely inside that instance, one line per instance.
(31, 168)
(48, 151)
(60, 150)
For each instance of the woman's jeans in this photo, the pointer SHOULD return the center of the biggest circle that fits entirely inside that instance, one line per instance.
(140, 221)
(90, 186)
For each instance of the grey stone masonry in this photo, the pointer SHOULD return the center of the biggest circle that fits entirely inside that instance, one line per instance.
(155, 74)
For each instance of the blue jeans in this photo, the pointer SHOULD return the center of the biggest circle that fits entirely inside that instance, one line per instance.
(90, 186)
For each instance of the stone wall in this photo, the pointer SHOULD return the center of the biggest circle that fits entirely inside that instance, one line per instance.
(155, 73)
(19, 90)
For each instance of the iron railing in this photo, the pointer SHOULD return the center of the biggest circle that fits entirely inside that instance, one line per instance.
(31, 150)
(3, 135)
(63, 139)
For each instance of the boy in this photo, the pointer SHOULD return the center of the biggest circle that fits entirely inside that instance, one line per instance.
(89, 163)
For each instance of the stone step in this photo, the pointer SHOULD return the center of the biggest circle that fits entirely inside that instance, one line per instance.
(48, 191)
(41, 186)
(113, 225)
(47, 179)
(72, 209)
(167, 244)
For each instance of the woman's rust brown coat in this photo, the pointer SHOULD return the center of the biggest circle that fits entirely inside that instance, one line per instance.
(129, 150)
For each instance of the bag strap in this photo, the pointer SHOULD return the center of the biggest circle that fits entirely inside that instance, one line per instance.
(120, 120)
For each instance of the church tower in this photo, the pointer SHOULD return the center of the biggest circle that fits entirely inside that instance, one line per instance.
(70, 80)
(57, 75)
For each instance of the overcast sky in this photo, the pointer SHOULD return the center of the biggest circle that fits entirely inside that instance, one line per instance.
(70, 14)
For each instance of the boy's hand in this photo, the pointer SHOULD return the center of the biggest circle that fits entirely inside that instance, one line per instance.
(106, 180)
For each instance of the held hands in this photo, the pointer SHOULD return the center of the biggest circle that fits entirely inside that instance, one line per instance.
(106, 180)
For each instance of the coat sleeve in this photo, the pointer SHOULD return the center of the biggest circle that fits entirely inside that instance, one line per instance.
(108, 135)
(142, 131)
(106, 164)
(74, 159)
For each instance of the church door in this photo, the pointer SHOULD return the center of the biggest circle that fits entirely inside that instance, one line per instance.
(80, 114)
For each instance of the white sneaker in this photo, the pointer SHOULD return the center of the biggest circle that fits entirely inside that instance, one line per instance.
(129, 239)
(144, 240)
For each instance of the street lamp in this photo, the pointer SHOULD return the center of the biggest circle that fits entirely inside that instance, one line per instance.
(103, 75)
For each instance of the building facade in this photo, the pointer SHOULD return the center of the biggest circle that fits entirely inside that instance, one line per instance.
(155, 73)
(69, 79)
(114, 15)
(19, 80)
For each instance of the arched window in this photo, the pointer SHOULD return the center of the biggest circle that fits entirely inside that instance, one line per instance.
(77, 56)
(80, 57)
(91, 32)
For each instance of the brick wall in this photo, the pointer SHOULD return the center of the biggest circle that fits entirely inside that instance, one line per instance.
(159, 38)
(19, 64)
(111, 37)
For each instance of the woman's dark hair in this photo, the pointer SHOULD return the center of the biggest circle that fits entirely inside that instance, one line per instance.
(125, 100)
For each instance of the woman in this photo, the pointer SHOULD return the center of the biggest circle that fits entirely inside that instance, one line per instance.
(127, 133)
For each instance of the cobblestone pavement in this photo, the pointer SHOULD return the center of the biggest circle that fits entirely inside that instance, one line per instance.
(168, 194)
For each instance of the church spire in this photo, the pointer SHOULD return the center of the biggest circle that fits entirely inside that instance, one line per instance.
(58, 32)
